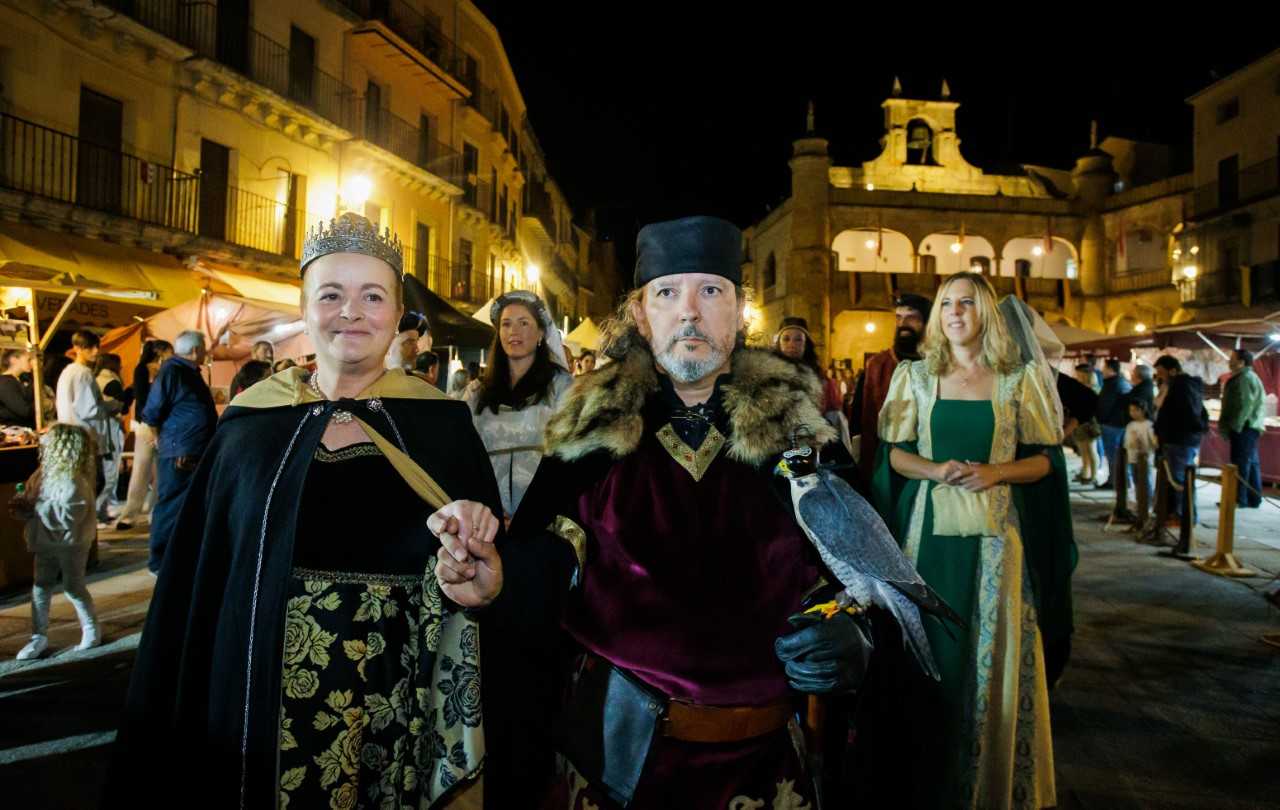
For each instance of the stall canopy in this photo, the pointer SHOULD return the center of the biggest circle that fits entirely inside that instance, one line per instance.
(449, 327)
(230, 324)
(1255, 334)
(585, 336)
(54, 262)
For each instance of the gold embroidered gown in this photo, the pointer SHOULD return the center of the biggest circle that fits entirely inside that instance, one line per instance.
(993, 747)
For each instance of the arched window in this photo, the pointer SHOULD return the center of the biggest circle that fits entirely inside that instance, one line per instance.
(980, 264)
(769, 276)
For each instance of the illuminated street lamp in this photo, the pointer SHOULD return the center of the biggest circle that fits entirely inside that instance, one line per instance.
(870, 327)
(1190, 271)
(356, 191)
(1037, 251)
(956, 247)
(870, 244)
(1139, 328)
(871, 186)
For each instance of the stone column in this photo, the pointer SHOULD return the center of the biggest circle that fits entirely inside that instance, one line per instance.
(1094, 179)
(809, 263)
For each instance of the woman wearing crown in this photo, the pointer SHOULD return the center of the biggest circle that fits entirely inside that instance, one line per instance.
(311, 642)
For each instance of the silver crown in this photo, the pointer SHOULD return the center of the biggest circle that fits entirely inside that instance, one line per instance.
(352, 233)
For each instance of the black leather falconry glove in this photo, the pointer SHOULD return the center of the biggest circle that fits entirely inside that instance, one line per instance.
(825, 656)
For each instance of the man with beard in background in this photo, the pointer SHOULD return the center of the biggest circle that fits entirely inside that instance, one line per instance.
(912, 313)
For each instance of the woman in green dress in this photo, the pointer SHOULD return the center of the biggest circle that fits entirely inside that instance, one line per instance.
(963, 430)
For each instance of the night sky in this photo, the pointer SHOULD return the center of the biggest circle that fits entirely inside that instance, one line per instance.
(647, 111)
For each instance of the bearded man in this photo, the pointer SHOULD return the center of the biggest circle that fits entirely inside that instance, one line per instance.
(911, 313)
(659, 537)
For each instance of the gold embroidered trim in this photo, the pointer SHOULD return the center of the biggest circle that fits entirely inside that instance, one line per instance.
(361, 450)
(573, 534)
(358, 578)
(697, 461)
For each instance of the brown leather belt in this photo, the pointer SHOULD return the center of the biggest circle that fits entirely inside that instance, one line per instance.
(723, 724)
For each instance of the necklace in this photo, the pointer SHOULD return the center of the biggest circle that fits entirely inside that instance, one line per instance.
(339, 417)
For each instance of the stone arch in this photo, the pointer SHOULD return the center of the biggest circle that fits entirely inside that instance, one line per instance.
(868, 250)
(1028, 253)
(1054, 316)
(949, 260)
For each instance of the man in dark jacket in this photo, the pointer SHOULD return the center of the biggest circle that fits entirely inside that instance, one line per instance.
(1180, 423)
(181, 410)
(1113, 415)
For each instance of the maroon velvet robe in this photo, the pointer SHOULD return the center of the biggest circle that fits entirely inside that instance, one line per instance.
(875, 387)
(688, 585)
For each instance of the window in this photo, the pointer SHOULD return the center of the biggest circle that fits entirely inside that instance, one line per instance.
(769, 278)
(373, 112)
(99, 166)
(461, 283)
(1022, 268)
(424, 140)
(302, 64)
(980, 264)
(470, 171)
(1228, 110)
(422, 253)
(1228, 180)
(293, 215)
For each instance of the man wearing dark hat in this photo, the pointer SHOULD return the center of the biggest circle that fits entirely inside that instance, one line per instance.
(659, 537)
(911, 313)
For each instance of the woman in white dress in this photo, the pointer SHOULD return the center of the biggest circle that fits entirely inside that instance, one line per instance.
(519, 391)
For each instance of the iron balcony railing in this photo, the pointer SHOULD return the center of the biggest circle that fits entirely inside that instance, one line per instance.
(54, 165)
(247, 51)
(1150, 279)
(47, 163)
(1252, 183)
(261, 223)
(479, 196)
(410, 143)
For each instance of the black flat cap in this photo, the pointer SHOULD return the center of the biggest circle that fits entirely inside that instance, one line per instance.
(690, 245)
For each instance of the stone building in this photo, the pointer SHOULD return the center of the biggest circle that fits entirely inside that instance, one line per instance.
(1103, 246)
(207, 137)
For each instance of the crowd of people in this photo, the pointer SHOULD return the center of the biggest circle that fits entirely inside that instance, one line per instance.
(631, 528)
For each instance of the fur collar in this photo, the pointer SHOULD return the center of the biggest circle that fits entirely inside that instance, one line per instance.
(766, 400)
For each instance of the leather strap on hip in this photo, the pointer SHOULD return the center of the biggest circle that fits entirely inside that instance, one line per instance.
(723, 724)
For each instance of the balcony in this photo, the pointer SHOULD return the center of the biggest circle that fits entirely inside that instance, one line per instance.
(246, 51)
(479, 198)
(1134, 281)
(1253, 183)
(419, 31)
(484, 100)
(410, 144)
(253, 221)
(1210, 288)
(56, 166)
(871, 290)
(53, 165)
(539, 212)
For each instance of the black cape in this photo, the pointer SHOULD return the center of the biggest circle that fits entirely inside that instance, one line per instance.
(202, 715)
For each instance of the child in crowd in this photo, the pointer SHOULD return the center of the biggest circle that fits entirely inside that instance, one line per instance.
(1140, 447)
(58, 504)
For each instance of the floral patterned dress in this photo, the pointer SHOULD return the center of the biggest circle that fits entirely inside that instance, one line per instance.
(368, 714)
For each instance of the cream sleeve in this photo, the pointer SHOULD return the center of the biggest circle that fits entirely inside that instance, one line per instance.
(899, 413)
